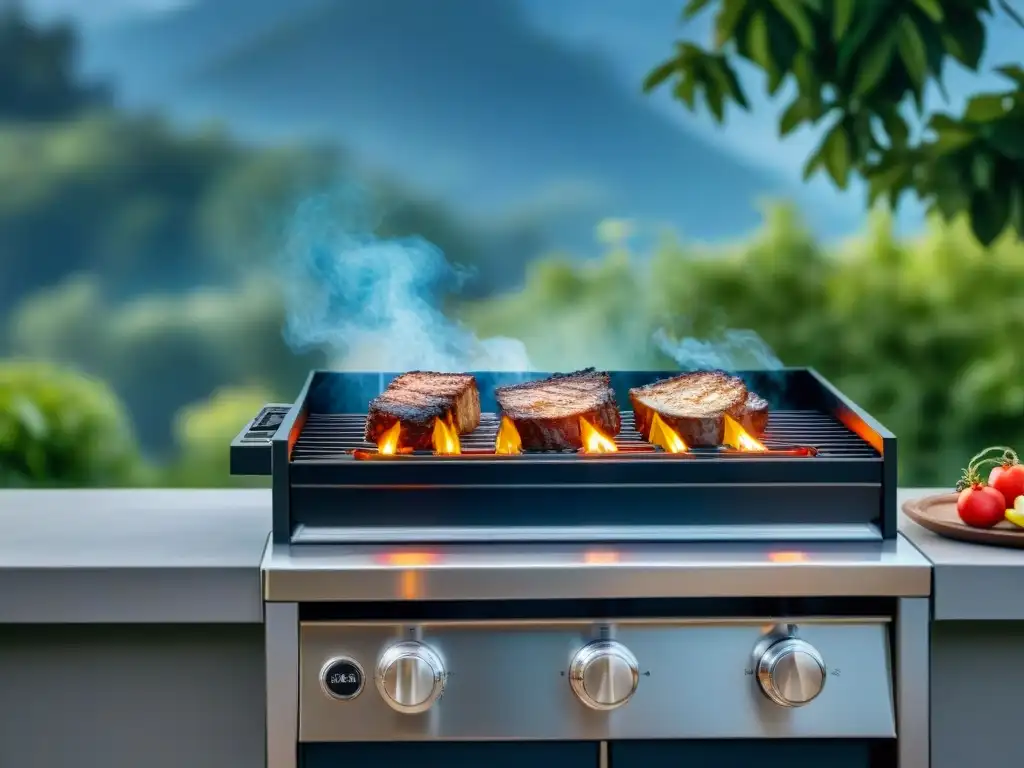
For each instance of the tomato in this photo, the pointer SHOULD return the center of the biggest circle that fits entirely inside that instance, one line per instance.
(981, 506)
(1008, 479)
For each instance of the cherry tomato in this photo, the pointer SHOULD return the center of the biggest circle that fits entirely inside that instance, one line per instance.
(1008, 479)
(981, 506)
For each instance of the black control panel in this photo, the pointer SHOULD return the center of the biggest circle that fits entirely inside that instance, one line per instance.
(250, 451)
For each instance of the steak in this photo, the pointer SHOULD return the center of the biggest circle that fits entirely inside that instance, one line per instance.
(416, 399)
(547, 413)
(694, 405)
(753, 416)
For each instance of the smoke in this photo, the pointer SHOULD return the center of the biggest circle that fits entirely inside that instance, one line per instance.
(376, 303)
(733, 350)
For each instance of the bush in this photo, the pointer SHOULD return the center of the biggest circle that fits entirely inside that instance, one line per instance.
(925, 333)
(60, 428)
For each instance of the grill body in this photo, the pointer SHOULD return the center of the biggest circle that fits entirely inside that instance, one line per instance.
(323, 493)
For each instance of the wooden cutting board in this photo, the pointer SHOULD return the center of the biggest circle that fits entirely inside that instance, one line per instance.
(938, 514)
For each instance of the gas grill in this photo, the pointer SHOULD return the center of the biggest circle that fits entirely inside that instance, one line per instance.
(632, 609)
(828, 474)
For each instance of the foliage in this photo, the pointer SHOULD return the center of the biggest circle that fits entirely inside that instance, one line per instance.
(924, 333)
(856, 66)
(203, 431)
(59, 427)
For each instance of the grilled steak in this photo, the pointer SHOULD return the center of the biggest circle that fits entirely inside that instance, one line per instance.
(416, 399)
(753, 416)
(547, 413)
(694, 405)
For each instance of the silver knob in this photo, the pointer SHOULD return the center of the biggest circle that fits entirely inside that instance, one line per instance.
(791, 672)
(604, 674)
(410, 677)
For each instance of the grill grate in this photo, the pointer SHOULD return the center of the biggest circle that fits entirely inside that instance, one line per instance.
(334, 436)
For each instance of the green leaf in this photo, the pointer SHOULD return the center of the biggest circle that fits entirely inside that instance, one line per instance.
(714, 97)
(875, 65)
(797, 113)
(850, 48)
(1014, 72)
(837, 155)
(694, 7)
(1016, 216)
(798, 20)
(1005, 137)
(990, 214)
(950, 134)
(757, 43)
(912, 51)
(982, 170)
(726, 80)
(814, 162)
(932, 9)
(660, 74)
(896, 127)
(888, 182)
(965, 40)
(727, 19)
(686, 90)
(806, 77)
(842, 15)
(986, 107)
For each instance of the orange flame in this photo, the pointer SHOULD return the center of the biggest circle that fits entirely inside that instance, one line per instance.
(594, 441)
(388, 443)
(738, 438)
(508, 441)
(446, 438)
(663, 436)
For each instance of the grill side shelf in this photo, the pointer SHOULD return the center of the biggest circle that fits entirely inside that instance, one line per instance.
(250, 450)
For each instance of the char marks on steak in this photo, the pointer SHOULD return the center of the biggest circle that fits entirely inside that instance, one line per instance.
(546, 413)
(416, 399)
(694, 405)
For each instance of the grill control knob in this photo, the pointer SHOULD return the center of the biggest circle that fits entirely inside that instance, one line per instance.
(604, 674)
(410, 677)
(791, 672)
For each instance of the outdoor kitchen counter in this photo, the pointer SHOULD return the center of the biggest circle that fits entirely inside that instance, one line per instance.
(970, 582)
(132, 556)
(181, 556)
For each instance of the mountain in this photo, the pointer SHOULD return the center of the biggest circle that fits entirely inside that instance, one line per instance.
(467, 99)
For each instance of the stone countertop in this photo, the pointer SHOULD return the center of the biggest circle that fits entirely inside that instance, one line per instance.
(193, 556)
(970, 582)
(138, 556)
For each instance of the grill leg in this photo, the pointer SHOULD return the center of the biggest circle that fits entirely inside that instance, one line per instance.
(913, 701)
(281, 626)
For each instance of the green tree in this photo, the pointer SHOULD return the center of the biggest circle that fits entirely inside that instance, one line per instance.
(37, 71)
(60, 428)
(859, 67)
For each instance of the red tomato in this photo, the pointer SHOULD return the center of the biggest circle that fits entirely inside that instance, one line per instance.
(1008, 479)
(981, 506)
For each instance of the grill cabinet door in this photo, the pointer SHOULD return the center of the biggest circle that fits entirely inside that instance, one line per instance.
(742, 753)
(461, 754)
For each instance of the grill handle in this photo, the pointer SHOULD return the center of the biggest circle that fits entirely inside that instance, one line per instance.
(250, 450)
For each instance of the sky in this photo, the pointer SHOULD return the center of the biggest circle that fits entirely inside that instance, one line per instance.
(632, 35)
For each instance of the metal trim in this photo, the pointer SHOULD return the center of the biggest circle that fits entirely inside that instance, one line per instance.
(784, 532)
(913, 691)
(282, 668)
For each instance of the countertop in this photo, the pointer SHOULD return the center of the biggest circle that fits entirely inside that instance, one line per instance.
(138, 556)
(970, 582)
(182, 556)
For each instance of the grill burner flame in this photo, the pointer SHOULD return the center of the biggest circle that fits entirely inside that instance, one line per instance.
(508, 442)
(594, 441)
(737, 437)
(388, 443)
(446, 438)
(665, 437)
